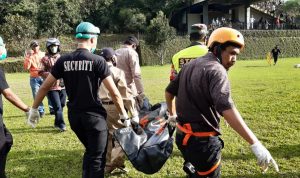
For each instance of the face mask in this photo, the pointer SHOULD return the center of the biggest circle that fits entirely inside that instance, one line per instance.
(54, 49)
(3, 53)
(93, 50)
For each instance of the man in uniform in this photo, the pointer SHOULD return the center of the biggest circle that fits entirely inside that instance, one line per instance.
(128, 61)
(115, 154)
(196, 49)
(202, 93)
(82, 73)
(6, 140)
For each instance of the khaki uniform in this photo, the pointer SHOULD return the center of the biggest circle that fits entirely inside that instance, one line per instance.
(128, 61)
(115, 154)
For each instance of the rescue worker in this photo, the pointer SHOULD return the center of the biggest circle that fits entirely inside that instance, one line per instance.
(6, 139)
(32, 62)
(128, 61)
(57, 94)
(196, 49)
(202, 93)
(115, 154)
(83, 72)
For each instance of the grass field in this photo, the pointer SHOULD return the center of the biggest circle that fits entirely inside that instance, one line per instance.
(268, 98)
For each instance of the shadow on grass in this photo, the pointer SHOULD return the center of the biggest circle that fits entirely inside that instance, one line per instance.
(268, 175)
(39, 129)
(257, 66)
(45, 163)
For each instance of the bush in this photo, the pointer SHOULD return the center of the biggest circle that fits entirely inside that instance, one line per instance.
(260, 42)
(17, 32)
(12, 65)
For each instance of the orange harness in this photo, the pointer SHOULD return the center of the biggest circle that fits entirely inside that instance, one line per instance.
(187, 129)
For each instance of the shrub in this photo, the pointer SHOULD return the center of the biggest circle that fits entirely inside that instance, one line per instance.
(17, 32)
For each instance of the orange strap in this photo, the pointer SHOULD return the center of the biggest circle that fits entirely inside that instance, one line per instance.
(144, 121)
(187, 129)
(212, 169)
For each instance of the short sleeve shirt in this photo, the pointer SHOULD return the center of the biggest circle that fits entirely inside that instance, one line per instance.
(82, 73)
(3, 86)
(202, 92)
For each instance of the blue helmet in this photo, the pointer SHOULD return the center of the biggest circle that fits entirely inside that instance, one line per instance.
(86, 30)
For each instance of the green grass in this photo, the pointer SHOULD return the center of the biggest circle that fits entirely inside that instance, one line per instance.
(268, 98)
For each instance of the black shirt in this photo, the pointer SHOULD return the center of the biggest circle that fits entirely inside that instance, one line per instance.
(202, 93)
(82, 73)
(3, 86)
(276, 51)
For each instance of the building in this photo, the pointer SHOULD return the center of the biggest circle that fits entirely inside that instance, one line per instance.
(239, 14)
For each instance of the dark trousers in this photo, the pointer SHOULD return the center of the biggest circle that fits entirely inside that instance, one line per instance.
(92, 131)
(58, 101)
(275, 58)
(6, 141)
(202, 153)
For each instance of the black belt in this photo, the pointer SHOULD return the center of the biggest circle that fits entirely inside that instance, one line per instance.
(107, 103)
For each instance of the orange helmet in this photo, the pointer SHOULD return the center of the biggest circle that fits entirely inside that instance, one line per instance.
(226, 34)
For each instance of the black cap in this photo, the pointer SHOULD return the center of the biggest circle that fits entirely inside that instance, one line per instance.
(107, 53)
(34, 43)
(132, 39)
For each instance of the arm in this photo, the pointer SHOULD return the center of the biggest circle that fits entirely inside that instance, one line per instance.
(115, 94)
(43, 71)
(235, 120)
(136, 72)
(27, 62)
(47, 84)
(264, 157)
(14, 99)
(170, 103)
(126, 94)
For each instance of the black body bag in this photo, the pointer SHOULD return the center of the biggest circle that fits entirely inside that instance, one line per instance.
(150, 144)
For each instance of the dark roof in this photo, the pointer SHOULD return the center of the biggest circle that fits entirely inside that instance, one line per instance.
(218, 5)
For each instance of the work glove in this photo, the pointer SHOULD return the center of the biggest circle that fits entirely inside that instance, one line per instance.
(125, 120)
(263, 156)
(33, 117)
(135, 117)
(172, 120)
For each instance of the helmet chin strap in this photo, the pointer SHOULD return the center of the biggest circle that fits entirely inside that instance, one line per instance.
(218, 54)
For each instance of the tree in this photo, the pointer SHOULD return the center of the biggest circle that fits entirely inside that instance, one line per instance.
(17, 31)
(56, 17)
(132, 20)
(158, 34)
(292, 7)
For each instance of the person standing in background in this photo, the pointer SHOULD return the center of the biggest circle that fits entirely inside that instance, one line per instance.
(196, 49)
(32, 63)
(57, 94)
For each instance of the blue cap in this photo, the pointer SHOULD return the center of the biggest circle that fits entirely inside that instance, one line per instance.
(87, 30)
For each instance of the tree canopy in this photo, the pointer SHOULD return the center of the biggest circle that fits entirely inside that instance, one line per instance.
(56, 17)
